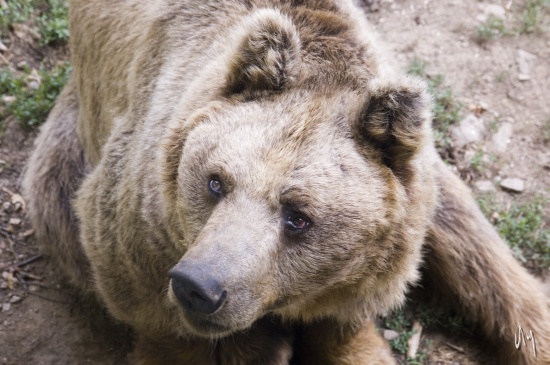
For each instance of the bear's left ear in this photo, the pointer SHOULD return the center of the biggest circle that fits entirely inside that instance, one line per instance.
(396, 120)
(266, 54)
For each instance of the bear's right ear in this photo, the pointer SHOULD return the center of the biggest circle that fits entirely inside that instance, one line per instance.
(266, 55)
(396, 121)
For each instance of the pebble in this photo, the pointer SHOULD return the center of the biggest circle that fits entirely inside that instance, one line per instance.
(3, 285)
(6, 307)
(15, 299)
(390, 335)
(502, 137)
(3, 47)
(9, 99)
(484, 186)
(524, 64)
(514, 185)
(469, 130)
(15, 221)
(6, 206)
(491, 10)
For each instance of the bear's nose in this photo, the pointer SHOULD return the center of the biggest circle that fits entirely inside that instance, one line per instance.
(196, 289)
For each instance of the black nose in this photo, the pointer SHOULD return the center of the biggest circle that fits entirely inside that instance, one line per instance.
(196, 289)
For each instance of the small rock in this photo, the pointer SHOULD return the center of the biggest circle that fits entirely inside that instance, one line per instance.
(524, 59)
(15, 221)
(484, 186)
(9, 99)
(390, 335)
(33, 288)
(514, 185)
(6, 206)
(22, 64)
(414, 341)
(491, 10)
(6, 307)
(3, 285)
(15, 299)
(469, 130)
(18, 199)
(3, 47)
(502, 137)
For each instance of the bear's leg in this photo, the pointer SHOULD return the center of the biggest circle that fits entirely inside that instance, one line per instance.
(471, 263)
(326, 343)
(53, 173)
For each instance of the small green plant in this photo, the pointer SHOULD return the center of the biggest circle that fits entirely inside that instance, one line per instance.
(476, 162)
(417, 67)
(48, 17)
(54, 24)
(446, 110)
(522, 226)
(15, 11)
(533, 15)
(492, 28)
(31, 101)
(400, 322)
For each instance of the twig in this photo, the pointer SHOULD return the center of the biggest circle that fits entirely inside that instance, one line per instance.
(454, 347)
(46, 298)
(28, 261)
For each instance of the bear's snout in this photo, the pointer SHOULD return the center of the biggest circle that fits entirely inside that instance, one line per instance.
(196, 289)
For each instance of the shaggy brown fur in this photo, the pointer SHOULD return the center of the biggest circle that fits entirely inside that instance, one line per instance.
(291, 108)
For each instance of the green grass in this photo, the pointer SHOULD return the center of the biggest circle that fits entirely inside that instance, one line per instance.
(492, 28)
(523, 227)
(533, 15)
(48, 17)
(32, 104)
(33, 98)
(446, 110)
(401, 320)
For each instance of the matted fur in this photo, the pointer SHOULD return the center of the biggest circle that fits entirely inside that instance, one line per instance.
(292, 106)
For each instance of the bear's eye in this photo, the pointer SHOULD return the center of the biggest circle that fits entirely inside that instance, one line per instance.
(215, 186)
(296, 222)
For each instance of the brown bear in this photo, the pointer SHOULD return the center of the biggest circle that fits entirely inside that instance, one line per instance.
(251, 182)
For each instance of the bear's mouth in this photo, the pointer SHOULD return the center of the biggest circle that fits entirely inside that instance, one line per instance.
(206, 327)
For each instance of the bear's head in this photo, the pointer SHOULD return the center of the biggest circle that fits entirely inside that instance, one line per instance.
(297, 198)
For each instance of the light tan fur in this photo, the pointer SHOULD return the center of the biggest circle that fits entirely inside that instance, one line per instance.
(291, 105)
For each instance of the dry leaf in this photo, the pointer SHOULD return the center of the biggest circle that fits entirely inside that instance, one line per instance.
(414, 341)
(16, 198)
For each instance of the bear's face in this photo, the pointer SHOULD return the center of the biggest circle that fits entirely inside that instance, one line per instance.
(291, 196)
(282, 212)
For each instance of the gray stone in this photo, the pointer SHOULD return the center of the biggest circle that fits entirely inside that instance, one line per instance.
(502, 137)
(469, 130)
(491, 10)
(524, 64)
(484, 186)
(6, 307)
(390, 335)
(15, 299)
(514, 185)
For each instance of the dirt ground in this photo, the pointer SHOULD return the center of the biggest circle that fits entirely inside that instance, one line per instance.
(42, 323)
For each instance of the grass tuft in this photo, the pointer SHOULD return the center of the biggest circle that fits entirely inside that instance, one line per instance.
(33, 95)
(492, 28)
(48, 17)
(523, 227)
(533, 15)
